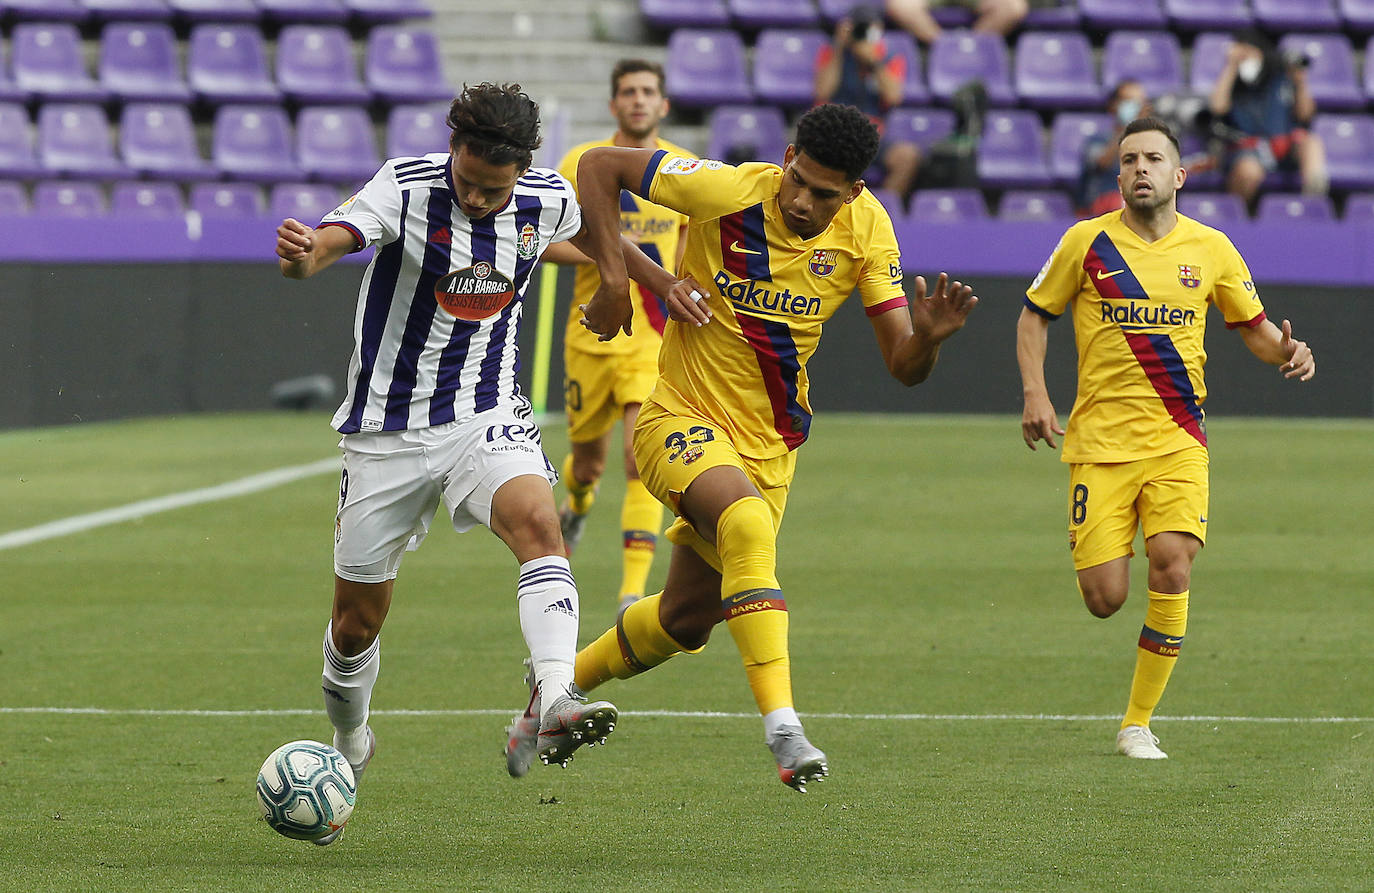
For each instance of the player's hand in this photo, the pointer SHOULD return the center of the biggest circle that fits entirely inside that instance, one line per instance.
(944, 311)
(608, 312)
(1300, 363)
(1038, 422)
(686, 302)
(294, 240)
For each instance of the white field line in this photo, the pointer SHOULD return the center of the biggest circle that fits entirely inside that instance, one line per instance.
(241, 487)
(708, 714)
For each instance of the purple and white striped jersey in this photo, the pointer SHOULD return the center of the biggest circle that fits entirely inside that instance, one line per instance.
(439, 306)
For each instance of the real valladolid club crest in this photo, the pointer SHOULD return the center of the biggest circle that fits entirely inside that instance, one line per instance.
(1190, 275)
(529, 242)
(823, 261)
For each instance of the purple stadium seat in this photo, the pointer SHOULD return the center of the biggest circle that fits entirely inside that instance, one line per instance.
(957, 57)
(226, 200)
(924, 127)
(158, 140)
(17, 160)
(1068, 133)
(1035, 204)
(774, 13)
(1278, 206)
(404, 65)
(416, 130)
(1197, 15)
(291, 11)
(1331, 71)
(315, 64)
(1369, 69)
(47, 61)
(128, 10)
(1296, 15)
(685, 13)
(1212, 208)
(46, 10)
(196, 11)
(335, 144)
(228, 63)
(146, 200)
(1121, 13)
(74, 141)
(1011, 152)
(947, 206)
(1063, 14)
(14, 199)
(1358, 16)
(914, 89)
(68, 198)
(307, 202)
(1152, 57)
(1349, 142)
(1209, 58)
(785, 65)
(746, 133)
(1359, 208)
(380, 12)
(1054, 69)
(833, 10)
(139, 61)
(254, 142)
(707, 68)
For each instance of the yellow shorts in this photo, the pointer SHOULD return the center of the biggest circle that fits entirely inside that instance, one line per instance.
(597, 388)
(1107, 502)
(672, 450)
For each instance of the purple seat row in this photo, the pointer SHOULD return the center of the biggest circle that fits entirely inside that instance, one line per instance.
(365, 12)
(82, 198)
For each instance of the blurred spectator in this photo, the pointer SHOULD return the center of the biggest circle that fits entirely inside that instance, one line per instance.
(1262, 97)
(1098, 191)
(996, 16)
(857, 68)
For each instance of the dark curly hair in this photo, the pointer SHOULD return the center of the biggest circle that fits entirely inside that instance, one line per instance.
(840, 137)
(497, 122)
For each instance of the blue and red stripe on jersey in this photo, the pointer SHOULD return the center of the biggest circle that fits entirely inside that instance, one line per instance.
(744, 245)
(780, 369)
(1156, 642)
(751, 601)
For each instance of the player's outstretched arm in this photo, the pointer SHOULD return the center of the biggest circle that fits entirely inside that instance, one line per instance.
(910, 341)
(1038, 419)
(1277, 347)
(302, 252)
(601, 173)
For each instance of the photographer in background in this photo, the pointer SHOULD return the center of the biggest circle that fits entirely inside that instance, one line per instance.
(1098, 191)
(1264, 97)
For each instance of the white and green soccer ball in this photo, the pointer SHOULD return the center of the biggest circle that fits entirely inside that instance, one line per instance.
(306, 789)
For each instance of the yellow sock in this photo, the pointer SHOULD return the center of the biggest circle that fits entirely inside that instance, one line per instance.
(755, 611)
(641, 519)
(580, 495)
(1166, 620)
(635, 644)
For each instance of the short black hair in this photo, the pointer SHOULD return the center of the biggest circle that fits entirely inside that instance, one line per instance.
(839, 137)
(497, 122)
(1141, 125)
(631, 66)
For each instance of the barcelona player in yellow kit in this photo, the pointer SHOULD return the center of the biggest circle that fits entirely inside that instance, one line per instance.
(607, 381)
(771, 254)
(1138, 283)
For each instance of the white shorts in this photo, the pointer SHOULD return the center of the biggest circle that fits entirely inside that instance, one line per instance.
(393, 481)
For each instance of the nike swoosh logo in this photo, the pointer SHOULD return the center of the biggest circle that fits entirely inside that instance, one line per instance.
(736, 246)
(1107, 274)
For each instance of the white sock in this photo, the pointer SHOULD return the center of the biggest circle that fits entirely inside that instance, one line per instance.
(776, 719)
(347, 683)
(548, 619)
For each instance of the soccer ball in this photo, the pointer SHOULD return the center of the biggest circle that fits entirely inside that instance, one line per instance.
(306, 789)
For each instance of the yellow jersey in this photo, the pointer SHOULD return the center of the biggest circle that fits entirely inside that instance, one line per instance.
(656, 230)
(769, 291)
(1139, 316)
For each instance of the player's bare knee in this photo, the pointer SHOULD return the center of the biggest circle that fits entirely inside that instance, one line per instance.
(354, 632)
(1102, 600)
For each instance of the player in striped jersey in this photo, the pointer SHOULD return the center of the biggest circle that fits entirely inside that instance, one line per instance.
(772, 252)
(433, 412)
(1139, 282)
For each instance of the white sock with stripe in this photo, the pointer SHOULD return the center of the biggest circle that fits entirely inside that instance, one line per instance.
(347, 684)
(548, 618)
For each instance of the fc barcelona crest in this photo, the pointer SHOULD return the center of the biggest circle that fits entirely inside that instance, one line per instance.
(529, 242)
(1190, 275)
(823, 261)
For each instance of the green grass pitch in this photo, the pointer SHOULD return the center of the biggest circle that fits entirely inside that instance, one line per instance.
(940, 654)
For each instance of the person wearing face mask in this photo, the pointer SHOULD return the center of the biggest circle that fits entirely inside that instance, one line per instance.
(1097, 191)
(1265, 96)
